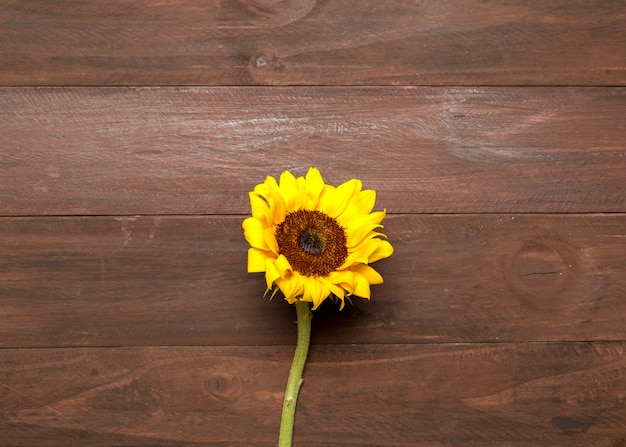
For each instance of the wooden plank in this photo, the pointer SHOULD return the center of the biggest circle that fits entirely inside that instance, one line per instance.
(200, 150)
(300, 42)
(105, 281)
(402, 395)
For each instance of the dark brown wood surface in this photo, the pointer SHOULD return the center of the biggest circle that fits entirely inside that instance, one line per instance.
(494, 133)
(296, 42)
(530, 395)
(199, 151)
(135, 281)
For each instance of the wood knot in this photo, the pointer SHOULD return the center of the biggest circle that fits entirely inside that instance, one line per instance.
(264, 67)
(221, 386)
(281, 12)
(472, 231)
(540, 270)
(267, 61)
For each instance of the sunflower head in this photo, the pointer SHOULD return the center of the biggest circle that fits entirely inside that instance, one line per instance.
(315, 240)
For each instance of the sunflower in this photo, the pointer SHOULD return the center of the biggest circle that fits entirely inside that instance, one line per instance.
(315, 240)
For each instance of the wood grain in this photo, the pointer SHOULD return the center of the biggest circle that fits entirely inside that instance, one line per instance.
(308, 42)
(493, 132)
(106, 281)
(200, 150)
(385, 395)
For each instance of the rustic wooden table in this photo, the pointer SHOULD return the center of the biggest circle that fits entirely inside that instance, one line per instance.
(494, 133)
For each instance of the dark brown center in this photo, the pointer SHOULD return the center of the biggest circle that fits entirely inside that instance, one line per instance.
(313, 242)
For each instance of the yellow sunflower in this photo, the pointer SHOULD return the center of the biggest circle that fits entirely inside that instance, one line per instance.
(314, 240)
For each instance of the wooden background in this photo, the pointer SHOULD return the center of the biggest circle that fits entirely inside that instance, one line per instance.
(493, 131)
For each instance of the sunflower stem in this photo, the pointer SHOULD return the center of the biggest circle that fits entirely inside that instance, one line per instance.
(295, 374)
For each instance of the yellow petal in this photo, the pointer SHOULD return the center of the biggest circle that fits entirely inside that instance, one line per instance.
(283, 267)
(270, 192)
(362, 254)
(367, 272)
(264, 191)
(278, 205)
(361, 286)
(314, 184)
(333, 288)
(254, 232)
(360, 228)
(290, 191)
(258, 235)
(256, 260)
(339, 292)
(271, 273)
(334, 201)
(344, 279)
(270, 239)
(278, 269)
(384, 250)
(260, 208)
(361, 204)
(291, 287)
(314, 291)
(371, 236)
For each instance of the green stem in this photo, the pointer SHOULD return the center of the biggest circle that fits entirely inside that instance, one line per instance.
(295, 374)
